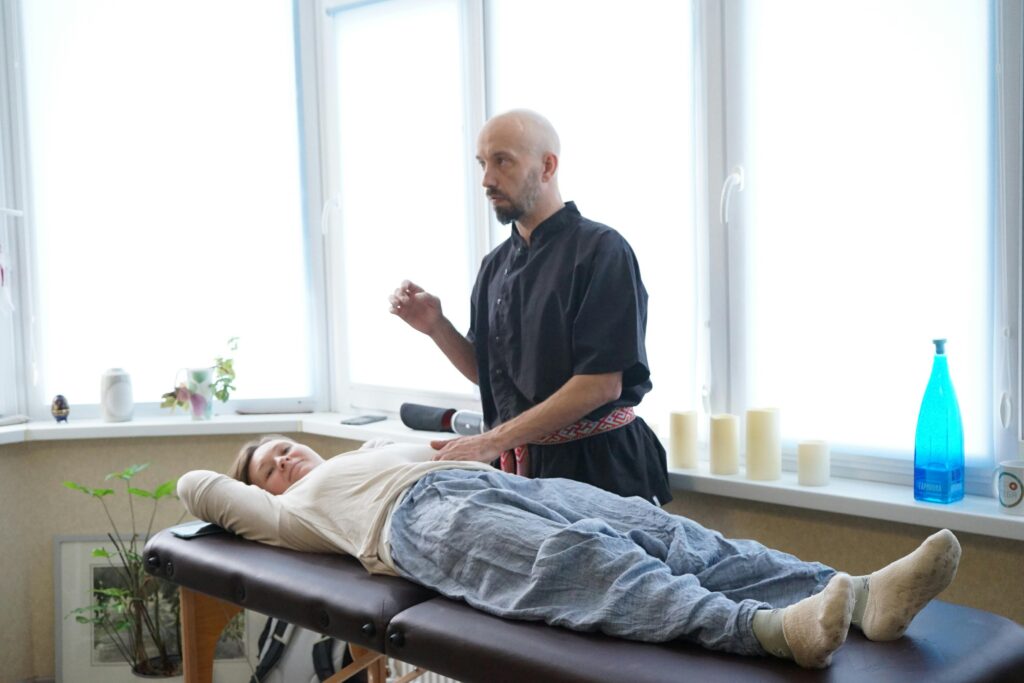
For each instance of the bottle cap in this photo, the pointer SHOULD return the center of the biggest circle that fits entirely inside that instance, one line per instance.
(940, 346)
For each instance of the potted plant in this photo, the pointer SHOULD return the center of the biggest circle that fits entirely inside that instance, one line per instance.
(202, 385)
(133, 614)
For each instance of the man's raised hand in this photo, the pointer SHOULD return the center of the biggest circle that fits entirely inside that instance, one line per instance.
(420, 309)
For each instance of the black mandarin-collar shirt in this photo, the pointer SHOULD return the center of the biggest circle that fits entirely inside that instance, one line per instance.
(571, 302)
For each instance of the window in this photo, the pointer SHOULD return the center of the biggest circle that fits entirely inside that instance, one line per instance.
(165, 169)
(408, 189)
(872, 150)
(401, 188)
(878, 208)
(867, 137)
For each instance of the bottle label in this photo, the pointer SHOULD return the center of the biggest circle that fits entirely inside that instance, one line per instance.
(1011, 490)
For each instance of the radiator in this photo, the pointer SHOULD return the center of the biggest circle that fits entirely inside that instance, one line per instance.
(399, 669)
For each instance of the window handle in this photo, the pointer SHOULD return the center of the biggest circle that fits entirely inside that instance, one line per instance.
(6, 300)
(733, 181)
(332, 204)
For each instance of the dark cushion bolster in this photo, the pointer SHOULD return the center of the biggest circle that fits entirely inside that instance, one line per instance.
(945, 644)
(331, 594)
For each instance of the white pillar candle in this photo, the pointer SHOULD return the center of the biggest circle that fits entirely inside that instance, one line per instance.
(764, 445)
(812, 463)
(683, 445)
(725, 444)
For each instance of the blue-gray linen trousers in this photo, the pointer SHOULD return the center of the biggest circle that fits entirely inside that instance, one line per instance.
(575, 556)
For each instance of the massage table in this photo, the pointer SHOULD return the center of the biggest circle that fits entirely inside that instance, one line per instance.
(384, 616)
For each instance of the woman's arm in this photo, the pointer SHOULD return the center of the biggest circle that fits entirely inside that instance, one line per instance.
(248, 511)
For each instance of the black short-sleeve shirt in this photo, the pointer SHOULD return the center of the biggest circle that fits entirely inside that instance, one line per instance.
(569, 303)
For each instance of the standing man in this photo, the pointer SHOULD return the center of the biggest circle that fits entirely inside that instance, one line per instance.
(557, 325)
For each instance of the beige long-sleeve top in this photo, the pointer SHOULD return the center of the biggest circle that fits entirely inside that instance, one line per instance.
(344, 505)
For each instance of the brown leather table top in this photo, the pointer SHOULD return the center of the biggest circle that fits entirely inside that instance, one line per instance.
(945, 644)
(330, 594)
(333, 594)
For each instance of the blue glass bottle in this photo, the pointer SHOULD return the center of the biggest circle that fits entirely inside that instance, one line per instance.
(939, 444)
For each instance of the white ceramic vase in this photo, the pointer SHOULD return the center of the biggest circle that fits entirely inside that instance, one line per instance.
(116, 403)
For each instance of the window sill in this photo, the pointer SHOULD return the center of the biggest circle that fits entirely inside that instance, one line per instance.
(874, 500)
(322, 424)
(871, 499)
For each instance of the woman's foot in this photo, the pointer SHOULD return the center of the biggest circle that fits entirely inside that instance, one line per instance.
(899, 591)
(817, 626)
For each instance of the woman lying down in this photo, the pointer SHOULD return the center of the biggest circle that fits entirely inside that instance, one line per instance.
(559, 551)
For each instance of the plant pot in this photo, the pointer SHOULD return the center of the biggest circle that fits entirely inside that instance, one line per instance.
(154, 663)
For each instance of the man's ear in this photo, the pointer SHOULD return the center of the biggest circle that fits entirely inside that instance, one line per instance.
(550, 166)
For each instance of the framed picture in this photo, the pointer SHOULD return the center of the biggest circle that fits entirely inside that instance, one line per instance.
(87, 654)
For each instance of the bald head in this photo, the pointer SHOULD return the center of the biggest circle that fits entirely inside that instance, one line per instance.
(534, 132)
(518, 152)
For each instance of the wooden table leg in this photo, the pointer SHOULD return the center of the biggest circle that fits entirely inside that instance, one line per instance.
(378, 671)
(375, 663)
(202, 620)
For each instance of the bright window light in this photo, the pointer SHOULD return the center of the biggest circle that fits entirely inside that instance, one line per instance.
(166, 193)
(403, 160)
(867, 214)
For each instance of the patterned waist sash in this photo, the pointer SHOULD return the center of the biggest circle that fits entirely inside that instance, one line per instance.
(517, 460)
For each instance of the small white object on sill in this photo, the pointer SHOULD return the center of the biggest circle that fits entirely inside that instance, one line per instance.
(812, 463)
(764, 445)
(683, 440)
(724, 444)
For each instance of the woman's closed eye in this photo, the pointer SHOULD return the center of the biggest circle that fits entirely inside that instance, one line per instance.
(272, 465)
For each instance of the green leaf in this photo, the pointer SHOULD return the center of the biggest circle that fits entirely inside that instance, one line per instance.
(128, 472)
(100, 493)
(165, 489)
(88, 608)
(141, 493)
(78, 487)
(100, 552)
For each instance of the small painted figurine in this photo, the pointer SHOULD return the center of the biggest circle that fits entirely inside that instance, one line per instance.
(60, 408)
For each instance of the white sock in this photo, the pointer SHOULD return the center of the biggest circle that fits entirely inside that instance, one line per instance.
(899, 591)
(861, 587)
(816, 627)
(767, 627)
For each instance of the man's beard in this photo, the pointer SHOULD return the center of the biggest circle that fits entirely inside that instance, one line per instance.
(527, 200)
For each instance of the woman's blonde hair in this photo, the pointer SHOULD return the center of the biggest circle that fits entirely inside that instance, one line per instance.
(240, 467)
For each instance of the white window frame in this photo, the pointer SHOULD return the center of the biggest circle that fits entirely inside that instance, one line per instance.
(12, 114)
(13, 395)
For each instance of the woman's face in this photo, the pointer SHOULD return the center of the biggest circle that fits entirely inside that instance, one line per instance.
(278, 464)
